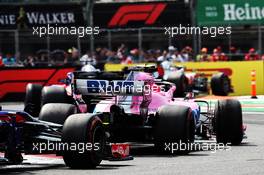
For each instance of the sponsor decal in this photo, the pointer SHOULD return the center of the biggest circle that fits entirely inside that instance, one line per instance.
(26, 16)
(229, 12)
(16, 80)
(210, 71)
(246, 12)
(140, 12)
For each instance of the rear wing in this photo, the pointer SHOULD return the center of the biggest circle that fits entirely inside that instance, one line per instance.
(109, 88)
(98, 75)
(141, 68)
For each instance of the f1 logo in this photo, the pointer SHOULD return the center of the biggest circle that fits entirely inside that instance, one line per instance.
(142, 12)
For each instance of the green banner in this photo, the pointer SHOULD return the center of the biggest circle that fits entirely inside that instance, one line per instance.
(229, 12)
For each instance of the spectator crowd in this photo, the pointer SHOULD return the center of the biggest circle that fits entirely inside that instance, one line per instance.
(124, 55)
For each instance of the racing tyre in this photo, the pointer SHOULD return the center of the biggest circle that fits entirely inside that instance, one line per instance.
(56, 112)
(220, 84)
(228, 122)
(32, 101)
(175, 125)
(55, 94)
(87, 129)
(181, 82)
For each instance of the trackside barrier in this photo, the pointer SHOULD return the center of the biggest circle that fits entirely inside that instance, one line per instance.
(13, 81)
(238, 71)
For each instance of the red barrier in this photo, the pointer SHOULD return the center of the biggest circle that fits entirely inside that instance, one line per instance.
(15, 80)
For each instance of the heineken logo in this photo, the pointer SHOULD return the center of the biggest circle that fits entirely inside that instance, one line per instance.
(232, 12)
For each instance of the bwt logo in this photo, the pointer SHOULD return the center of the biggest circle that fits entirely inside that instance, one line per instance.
(97, 86)
(145, 12)
(103, 86)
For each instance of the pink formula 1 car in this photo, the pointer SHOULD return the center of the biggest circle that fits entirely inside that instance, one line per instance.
(140, 109)
(219, 84)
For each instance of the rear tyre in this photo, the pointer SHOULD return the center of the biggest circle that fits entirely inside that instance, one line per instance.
(228, 122)
(181, 82)
(87, 129)
(57, 112)
(32, 101)
(175, 125)
(55, 94)
(220, 84)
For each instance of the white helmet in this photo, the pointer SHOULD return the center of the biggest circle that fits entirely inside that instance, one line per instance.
(89, 68)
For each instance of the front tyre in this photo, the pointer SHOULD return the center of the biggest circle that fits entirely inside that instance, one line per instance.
(220, 84)
(181, 82)
(84, 129)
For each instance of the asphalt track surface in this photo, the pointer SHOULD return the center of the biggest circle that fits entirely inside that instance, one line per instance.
(245, 159)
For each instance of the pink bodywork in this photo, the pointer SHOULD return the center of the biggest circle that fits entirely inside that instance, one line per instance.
(157, 98)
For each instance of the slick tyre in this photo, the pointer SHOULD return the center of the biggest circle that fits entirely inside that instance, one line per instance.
(87, 129)
(181, 82)
(175, 125)
(57, 112)
(32, 103)
(228, 122)
(54, 94)
(220, 84)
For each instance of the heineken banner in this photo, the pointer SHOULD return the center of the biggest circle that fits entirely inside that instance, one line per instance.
(230, 12)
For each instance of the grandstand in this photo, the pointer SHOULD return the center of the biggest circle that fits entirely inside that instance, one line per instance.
(17, 39)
